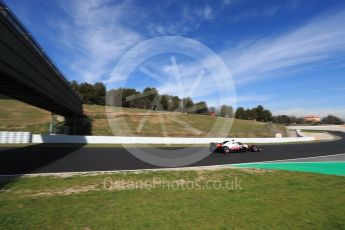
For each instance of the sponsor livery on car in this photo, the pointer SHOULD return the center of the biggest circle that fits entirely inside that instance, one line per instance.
(232, 146)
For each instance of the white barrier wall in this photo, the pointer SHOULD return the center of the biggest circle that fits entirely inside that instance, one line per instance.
(340, 128)
(299, 133)
(155, 140)
(15, 137)
(27, 137)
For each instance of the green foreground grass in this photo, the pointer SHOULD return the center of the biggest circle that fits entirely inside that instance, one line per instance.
(18, 116)
(263, 200)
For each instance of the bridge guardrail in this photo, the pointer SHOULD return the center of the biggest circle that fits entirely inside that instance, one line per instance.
(6, 13)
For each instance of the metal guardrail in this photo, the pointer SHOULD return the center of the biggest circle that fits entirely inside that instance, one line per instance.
(10, 17)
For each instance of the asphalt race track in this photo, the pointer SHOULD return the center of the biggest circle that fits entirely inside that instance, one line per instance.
(42, 159)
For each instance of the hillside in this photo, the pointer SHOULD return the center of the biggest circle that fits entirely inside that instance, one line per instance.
(18, 116)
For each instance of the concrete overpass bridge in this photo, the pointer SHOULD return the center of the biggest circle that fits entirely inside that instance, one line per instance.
(28, 74)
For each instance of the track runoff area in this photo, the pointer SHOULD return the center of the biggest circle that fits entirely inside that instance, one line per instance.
(37, 159)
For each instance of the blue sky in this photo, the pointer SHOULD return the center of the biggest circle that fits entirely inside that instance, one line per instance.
(286, 55)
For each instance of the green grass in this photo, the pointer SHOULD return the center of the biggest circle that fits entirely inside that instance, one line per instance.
(18, 116)
(266, 200)
(331, 168)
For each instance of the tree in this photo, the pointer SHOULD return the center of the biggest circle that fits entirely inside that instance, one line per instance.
(258, 113)
(86, 92)
(281, 119)
(226, 110)
(240, 113)
(122, 97)
(250, 114)
(266, 115)
(148, 96)
(300, 120)
(293, 120)
(130, 98)
(75, 86)
(90, 94)
(99, 92)
(164, 102)
(187, 104)
(201, 107)
(330, 119)
(114, 97)
(175, 103)
(212, 109)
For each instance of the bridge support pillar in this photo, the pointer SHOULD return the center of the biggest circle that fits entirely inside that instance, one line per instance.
(70, 125)
(77, 125)
(52, 128)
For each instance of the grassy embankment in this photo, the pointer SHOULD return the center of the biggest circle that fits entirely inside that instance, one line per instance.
(17, 116)
(260, 200)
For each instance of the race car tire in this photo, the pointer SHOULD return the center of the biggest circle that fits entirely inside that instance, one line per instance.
(226, 149)
(213, 147)
(254, 148)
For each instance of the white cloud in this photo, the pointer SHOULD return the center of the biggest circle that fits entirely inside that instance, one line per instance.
(95, 33)
(227, 2)
(319, 42)
(298, 50)
(328, 90)
(206, 13)
(254, 14)
(206, 86)
(187, 19)
(200, 13)
(95, 36)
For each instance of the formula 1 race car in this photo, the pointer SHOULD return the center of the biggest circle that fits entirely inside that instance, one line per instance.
(232, 146)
